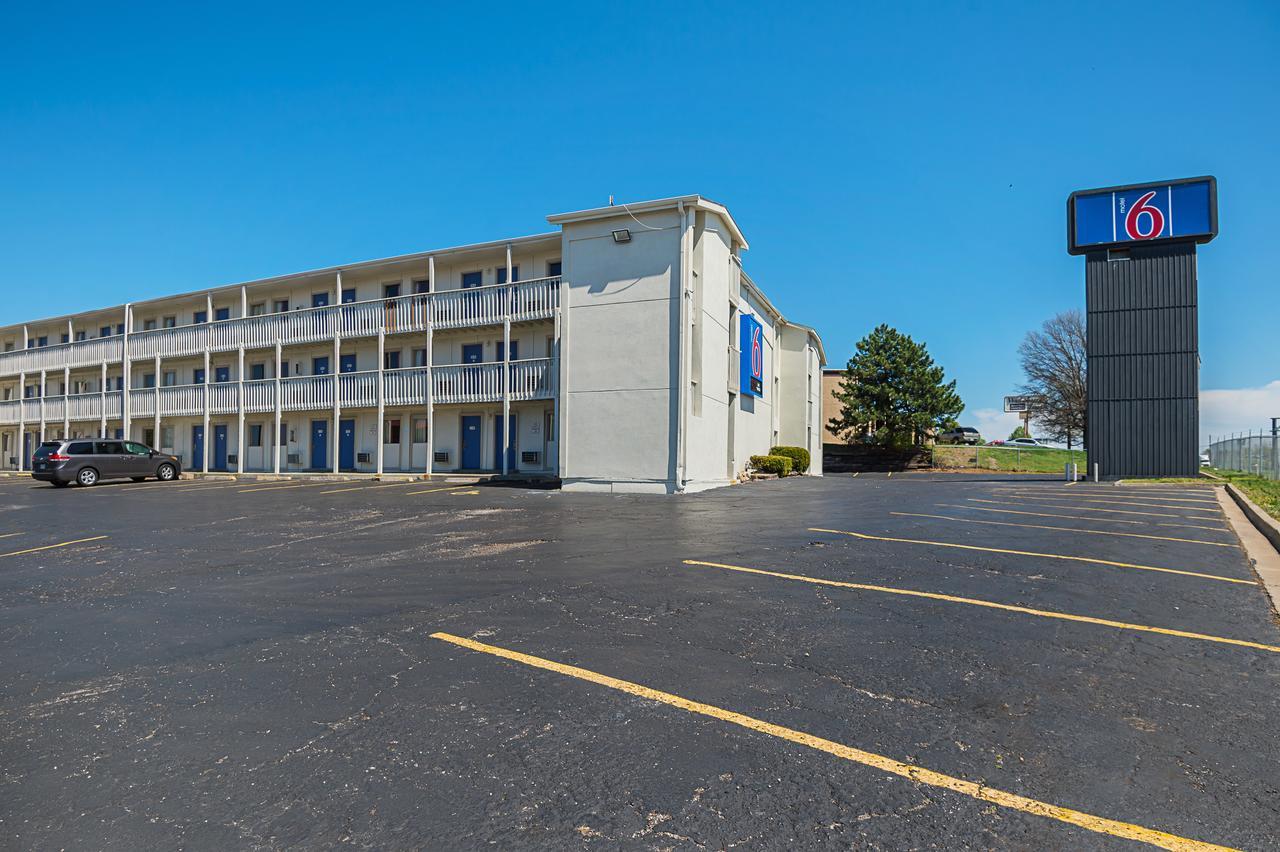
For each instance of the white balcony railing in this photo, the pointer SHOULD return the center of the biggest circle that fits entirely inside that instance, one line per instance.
(478, 306)
(454, 383)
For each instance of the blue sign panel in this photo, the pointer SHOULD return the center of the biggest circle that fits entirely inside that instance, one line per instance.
(751, 339)
(1119, 215)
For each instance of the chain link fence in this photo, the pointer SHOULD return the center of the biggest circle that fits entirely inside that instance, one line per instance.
(1248, 452)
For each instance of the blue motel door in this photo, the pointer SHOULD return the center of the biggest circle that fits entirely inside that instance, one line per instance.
(471, 442)
(347, 445)
(197, 447)
(219, 447)
(319, 444)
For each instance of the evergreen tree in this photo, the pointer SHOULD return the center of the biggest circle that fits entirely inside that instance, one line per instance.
(1020, 432)
(893, 393)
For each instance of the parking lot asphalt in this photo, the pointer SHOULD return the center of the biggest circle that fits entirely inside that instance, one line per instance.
(914, 661)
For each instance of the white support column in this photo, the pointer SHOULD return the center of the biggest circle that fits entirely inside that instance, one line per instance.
(125, 372)
(102, 389)
(240, 406)
(26, 337)
(71, 334)
(381, 388)
(506, 366)
(335, 370)
(244, 301)
(19, 451)
(208, 307)
(275, 440)
(42, 394)
(204, 444)
(155, 419)
(66, 403)
(431, 419)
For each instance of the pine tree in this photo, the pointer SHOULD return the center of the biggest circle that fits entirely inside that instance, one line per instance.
(892, 392)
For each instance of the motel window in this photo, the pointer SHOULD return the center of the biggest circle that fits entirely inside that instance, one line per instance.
(553, 268)
(105, 331)
(148, 381)
(197, 376)
(166, 437)
(420, 357)
(422, 285)
(200, 317)
(80, 335)
(502, 274)
(391, 431)
(319, 300)
(8, 347)
(42, 341)
(148, 325)
(348, 295)
(255, 434)
(391, 360)
(284, 369)
(222, 313)
(221, 375)
(169, 379)
(279, 306)
(472, 279)
(419, 430)
(120, 328)
(257, 371)
(65, 337)
(258, 310)
(169, 322)
(390, 291)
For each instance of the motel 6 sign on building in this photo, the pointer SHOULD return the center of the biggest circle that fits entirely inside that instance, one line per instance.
(751, 339)
(1180, 210)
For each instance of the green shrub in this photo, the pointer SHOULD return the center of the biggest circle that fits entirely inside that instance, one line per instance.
(780, 465)
(799, 457)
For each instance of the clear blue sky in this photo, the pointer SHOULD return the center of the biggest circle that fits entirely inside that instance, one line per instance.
(899, 163)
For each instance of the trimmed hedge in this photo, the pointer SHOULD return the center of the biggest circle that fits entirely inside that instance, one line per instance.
(799, 457)
(780, 465)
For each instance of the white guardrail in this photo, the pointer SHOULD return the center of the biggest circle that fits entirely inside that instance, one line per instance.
(526, 300)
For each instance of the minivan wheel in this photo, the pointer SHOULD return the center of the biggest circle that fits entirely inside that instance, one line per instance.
(166, 473)
(87, 476)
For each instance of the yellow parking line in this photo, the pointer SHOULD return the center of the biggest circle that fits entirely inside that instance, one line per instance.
(910, 771)
(372, 487)
(277, 486)
(1077, 517)
(855, 475)
(1066, 529)
(464, 493)
(890, 476)
(9, 535)
(434, 490)
(52, 546)
(1087, 509)
(1124, 501)
(1090, 559)
(1042, 613)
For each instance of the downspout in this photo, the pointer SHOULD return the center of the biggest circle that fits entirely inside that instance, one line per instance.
(682, 418)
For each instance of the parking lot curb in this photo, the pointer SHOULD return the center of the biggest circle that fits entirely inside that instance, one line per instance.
(1259, 534)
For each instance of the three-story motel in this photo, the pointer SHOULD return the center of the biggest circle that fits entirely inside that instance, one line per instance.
(432, 362)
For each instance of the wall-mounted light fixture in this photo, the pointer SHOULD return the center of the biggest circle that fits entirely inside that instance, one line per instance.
(622, 235)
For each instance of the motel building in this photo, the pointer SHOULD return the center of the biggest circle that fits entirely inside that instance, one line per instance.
(624, 351)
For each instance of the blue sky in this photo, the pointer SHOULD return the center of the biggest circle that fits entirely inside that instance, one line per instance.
(893, 163)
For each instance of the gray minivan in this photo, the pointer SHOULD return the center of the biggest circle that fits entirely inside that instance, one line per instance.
(85, 461)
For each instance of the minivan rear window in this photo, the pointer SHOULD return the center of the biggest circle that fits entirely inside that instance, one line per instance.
(46, 448)
(80, 448)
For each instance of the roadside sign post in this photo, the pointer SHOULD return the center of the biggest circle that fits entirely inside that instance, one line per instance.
(1139, 243)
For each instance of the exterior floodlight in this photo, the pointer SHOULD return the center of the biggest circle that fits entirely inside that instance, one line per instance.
(622, 235)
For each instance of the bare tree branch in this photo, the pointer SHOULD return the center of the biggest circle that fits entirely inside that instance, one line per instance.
(1054, 362)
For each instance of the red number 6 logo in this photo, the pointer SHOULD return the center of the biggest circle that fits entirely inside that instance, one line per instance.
(1133, 221)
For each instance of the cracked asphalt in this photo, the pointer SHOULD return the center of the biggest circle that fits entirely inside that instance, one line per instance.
(237, 667)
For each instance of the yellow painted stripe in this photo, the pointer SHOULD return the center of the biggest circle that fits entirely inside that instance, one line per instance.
(9, 535)
(463, 493)
(855, 476)
(1078, 517)
(371, 487)
(1206, 507)
(52, 546)
(1067, 529)
(278, 486)
(890, 476)
(1042, 613)
(1087, 509)
(446, 488)
(1090, 559)
(911, 772)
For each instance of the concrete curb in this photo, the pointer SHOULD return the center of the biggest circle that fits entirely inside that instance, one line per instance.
(1260, 536)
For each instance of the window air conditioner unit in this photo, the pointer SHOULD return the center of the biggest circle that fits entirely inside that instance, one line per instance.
(529, 456)
(295, 458)
(362, 458)
(442, 457)
(232, 458)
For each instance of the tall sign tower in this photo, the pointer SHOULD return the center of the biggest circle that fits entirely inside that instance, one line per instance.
(1139, 243)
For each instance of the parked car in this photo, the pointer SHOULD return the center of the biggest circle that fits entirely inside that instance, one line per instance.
(1026, 443)
(85, 462)
(960, 435)
(1204, 460)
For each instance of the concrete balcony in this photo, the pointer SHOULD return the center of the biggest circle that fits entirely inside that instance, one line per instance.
(523, 301)
(529, 379)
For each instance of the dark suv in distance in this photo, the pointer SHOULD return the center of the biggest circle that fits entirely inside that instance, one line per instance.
(84, 462)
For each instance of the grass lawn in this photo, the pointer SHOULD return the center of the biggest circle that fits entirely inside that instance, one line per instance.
(1264, 492)
(1044, 460)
